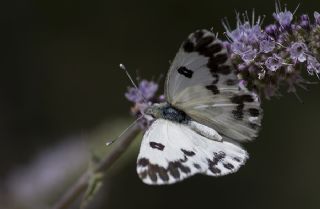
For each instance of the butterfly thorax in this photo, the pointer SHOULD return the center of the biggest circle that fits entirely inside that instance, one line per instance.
(168, 112)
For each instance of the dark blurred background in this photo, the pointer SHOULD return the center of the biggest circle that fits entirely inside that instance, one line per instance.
(60, 84)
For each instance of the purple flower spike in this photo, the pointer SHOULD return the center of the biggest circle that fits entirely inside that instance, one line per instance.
(298, 52)
(274, 63)
(283, 18)
(278, 53)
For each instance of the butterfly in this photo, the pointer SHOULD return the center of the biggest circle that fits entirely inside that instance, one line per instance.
(205, 117)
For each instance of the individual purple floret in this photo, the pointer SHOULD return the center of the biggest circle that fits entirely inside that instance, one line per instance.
(267, 46)
(283, 18)
(298, 51)
(274, 63)
(272, 30)
(305, 22)
(317, 17)
(313, 66)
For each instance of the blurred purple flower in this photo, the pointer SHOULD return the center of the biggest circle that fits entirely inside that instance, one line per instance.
(146, 90)
(143, 97)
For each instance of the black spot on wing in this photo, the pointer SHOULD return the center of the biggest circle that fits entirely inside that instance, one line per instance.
(215, 78)
(215, 68)
(188, 46)
(188, 153)
(184, 169)
(185, 159)
(214, 170)
(152, 173)
(224, 69)
(158, 173)
(163, 174)
(197, 166)
(219, 58)
(143, 162)
(254, 112)
(173, 170)
(254, 126)
(213, 88)
(156, 145)
(231, 82)
(240, 99)
(185, 72)
(215, 48)
(202, 44)
(218, 156)
(238, 112)
(228, 166)
(212, 163)
(198, 34)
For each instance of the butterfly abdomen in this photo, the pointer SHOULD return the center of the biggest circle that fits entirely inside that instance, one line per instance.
(171, 113)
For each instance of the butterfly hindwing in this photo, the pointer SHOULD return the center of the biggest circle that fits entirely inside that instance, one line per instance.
(171, 152)
(202, 83)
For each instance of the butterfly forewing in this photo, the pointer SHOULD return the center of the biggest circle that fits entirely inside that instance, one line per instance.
(202, 82)
(171, 152)
(195, 64)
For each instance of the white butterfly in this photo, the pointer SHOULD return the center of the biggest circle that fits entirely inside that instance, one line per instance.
(205, 115)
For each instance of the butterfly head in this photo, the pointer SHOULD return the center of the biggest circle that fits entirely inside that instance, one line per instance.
(154, 110)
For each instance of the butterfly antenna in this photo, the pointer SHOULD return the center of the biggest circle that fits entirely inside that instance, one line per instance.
(124, 131)
(131, 80)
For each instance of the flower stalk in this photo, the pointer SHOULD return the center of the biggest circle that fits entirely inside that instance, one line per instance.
(118, 148)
